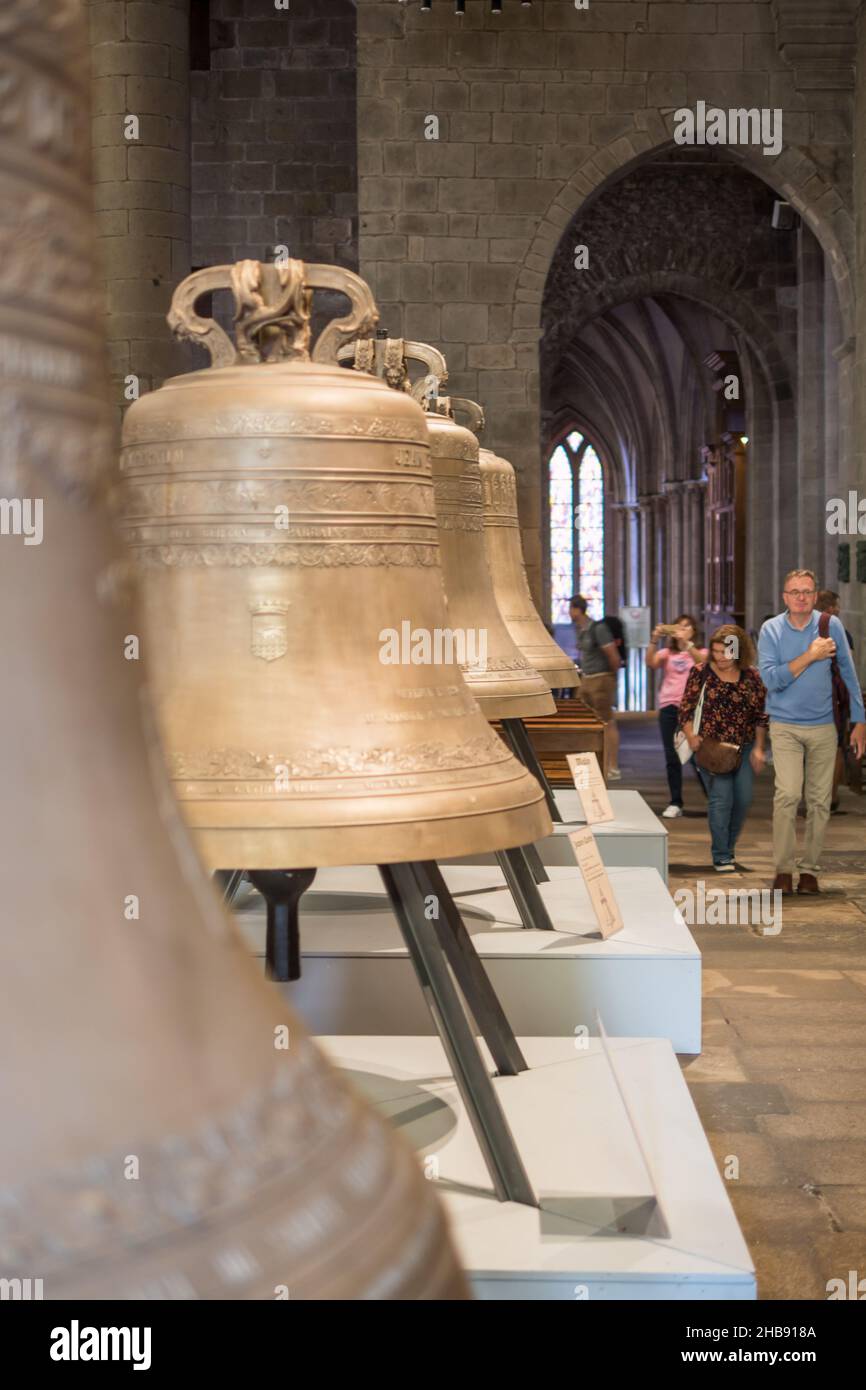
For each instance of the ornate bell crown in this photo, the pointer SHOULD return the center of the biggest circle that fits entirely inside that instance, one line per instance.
(272, 310)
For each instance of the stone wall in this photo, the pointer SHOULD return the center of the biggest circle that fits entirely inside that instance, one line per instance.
(274, 154)
(140, 70)
(537, 109)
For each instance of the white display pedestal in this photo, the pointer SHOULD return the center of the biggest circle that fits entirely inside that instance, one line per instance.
(598, 1232)
(357, 977)
(635, 838)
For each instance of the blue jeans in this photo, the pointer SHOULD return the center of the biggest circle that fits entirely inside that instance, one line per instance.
(730, 797)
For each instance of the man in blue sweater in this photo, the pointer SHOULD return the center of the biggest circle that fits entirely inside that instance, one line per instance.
(795, 666)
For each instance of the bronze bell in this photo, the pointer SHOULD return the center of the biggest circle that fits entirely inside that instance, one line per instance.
(508, 571)
(305, 670)
(170, 1130)
(505, 684)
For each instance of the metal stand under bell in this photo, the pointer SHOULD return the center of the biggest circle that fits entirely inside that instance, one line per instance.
(521, 746)
(416, 889)
(523, 881)
(229, 881)
(440, 948)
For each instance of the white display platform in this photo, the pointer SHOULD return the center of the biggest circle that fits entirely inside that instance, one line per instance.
(598, 1233)
(635, 838)
(357, 976)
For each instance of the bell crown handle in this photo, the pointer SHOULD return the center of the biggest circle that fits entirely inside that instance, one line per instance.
(184, 322)
(361, 319)
(471, 409)
(272, 311)
(429, 357)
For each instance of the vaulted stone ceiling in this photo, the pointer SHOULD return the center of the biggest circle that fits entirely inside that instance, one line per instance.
(683, 262)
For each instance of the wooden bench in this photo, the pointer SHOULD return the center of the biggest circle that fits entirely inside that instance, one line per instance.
(575, 728)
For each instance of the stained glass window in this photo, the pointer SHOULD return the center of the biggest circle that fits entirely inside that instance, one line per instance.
(561, 535)
(576, 527)
(590, 527)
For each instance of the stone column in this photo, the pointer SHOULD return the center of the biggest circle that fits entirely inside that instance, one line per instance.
(656, 538)
(652, 529)
(619, 548)
(140, 71)
(811, 365)
(646, 546)
(696, 595)
(675, 559)
(857, 478)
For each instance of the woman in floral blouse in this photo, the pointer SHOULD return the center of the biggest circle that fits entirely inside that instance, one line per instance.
(733, 711)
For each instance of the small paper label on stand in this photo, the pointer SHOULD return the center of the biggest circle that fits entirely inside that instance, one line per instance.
(590, 787)
(601, 895)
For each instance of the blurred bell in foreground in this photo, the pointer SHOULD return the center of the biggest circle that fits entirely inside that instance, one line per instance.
(169, 1131)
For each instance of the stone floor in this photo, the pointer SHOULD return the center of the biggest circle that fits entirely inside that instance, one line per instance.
(781, 1083)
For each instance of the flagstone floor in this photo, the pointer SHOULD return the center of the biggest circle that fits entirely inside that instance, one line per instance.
(781, 1083)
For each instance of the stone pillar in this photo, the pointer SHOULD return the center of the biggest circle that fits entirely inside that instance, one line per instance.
(657, 543)
(854, 610)
(140, 72)
(693, 547)
(650, 538)
(619, 517)
(811, 490)
(675, 557)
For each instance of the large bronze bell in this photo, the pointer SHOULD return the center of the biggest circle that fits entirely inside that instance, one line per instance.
(508, 572)
(169, 1130)
(304, 666)
(505, 684)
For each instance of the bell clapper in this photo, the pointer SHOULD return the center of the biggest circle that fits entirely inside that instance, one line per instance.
(282, 890)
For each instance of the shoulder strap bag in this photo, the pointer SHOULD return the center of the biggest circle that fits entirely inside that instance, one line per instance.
(681, 743)
(841, 698)
(713, 755)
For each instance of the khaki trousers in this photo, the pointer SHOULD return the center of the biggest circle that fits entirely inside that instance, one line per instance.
(804, 756)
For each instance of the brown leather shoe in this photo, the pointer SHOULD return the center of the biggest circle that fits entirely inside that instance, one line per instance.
(783, 883)
(807, 883)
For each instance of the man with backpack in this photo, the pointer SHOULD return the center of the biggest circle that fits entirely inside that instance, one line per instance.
(806, 665)
(599, 658)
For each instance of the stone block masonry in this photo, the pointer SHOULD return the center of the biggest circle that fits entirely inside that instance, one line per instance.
(534, 109)
(140, 93)
(274, 134)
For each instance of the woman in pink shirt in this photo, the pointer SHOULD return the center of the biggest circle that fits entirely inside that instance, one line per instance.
(676, 661)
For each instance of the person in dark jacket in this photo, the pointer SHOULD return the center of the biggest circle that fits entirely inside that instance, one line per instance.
(732, 712)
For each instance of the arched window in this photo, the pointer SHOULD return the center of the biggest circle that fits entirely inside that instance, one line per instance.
(576, 484)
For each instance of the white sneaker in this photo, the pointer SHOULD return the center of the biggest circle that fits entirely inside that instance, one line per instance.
(725, 868)
(614, 775)
(671, 812)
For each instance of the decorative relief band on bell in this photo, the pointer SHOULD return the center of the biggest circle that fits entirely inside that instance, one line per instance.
(180, 496)
(43, 241)
(333, 556)
(500, 494)
(233, 1171)
(458, 496)
(460, 523)
(17, 16)
(500, 666)
(433, 756)
(391, 429)
(76, 458)
(454, 448)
